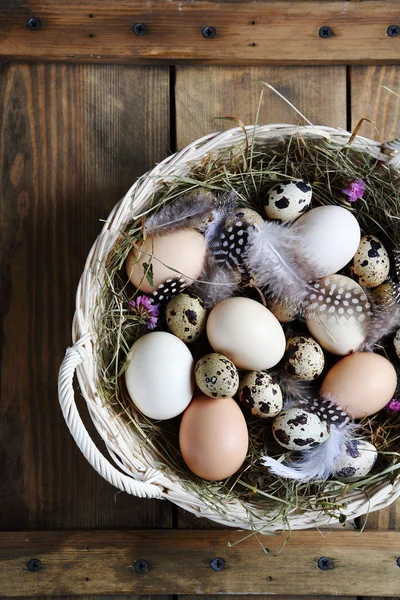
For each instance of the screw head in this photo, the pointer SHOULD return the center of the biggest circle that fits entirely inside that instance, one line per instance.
(393, 31)
(324, 563)
(325, 32)
(398, 562)
(141, 566)
(217, 564)
(139, 29)
(33, 24)
(34, 565)
(209, 32)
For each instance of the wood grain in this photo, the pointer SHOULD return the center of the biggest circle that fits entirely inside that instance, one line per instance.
(269, 32)
(100, 562)
(205, 92)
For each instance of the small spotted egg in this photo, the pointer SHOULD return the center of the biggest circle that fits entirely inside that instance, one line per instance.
(260, 394)
(298, 429)
(283, 310)
(396, 343)
(356, 459)
(383, 294)
(247, 216)
(216, 376)
(304, 358)
(186, 317)
(370, 265)
(288, 200)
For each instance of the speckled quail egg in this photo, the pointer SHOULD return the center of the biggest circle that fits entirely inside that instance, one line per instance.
(304, 358)
(216, 376)
(260, 394)
(247, 216)
(288, 200)
(356, 459)
(370, 265)
(396, 343)
(298, 429)
(383, 294)
(186, 317)
(283, 310)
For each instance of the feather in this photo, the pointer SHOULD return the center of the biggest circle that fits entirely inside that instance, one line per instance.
(226, 205)
(215, 284)
(294, 391)
(278, 262)
(317, 463)
(186, 211)
(384, 321)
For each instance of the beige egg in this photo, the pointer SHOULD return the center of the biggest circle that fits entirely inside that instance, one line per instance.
(247, 216)
(216, 376)
(288, 200)
(396, 343)
(186, 317)
(370, 265)
(260, 394)
(283, 310)
(383, 294)
(298, 429)
(181, 253)
(304, 358)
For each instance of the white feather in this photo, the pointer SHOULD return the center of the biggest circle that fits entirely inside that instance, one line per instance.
(316, 463)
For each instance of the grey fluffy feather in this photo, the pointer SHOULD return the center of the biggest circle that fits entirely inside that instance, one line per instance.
(294, 391)
(385, 320)
(216, 284)
(185, 212)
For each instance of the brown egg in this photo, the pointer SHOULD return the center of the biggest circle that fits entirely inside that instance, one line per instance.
(362, 383)
(179, 253)
(213, 437)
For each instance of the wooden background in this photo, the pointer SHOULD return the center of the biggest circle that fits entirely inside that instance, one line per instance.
(73, 138)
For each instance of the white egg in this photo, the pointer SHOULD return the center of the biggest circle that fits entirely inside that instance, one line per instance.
(370, 266)
(331, 236)
(159, 375)
(298, 429)
(260, 394)
(247, 333)
(288, 200)
(396, 343)
(338, 318)
(304, 358)
(356, 459)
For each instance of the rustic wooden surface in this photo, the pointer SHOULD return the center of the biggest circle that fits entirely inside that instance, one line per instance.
(72, 140)
(269, 32)
(93, 562)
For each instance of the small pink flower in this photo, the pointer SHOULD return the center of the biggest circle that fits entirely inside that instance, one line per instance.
(393, 406)
(355, 190)
(145, 309)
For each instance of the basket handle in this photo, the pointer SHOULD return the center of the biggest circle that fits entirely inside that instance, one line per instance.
(73, 357)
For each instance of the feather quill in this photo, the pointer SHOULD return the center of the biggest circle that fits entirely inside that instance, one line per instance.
(186, 211)
(317, 463)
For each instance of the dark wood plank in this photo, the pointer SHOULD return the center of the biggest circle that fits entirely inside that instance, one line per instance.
(81, 562)
(72, 141)
(274, 32)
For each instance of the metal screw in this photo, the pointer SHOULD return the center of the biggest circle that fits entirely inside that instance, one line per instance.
(398, 562)
(325, 32)
(139, 29)
(393, 31)
(141, 566)
(33, 24)
(324, 563)
(209, 32)
(34, 565)
(217, 564)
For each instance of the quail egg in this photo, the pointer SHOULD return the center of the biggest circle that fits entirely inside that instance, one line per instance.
(288, 200)
(356, 459)
(304, 358)
(247, 216)
(260, 394)
(370, 265)
(396, 343)
(383, 294)
(216, 376)
(186, 317)
(298, 429)
(283, 310)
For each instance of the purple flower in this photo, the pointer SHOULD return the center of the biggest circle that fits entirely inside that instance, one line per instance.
(393, 406)
(355, 191)
(145, 309)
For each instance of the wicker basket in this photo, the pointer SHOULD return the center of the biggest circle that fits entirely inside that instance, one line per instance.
(136, 471)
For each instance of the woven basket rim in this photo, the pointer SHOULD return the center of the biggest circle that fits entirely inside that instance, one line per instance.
(125, 446)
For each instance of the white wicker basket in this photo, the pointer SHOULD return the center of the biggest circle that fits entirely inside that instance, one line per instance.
(138, 472)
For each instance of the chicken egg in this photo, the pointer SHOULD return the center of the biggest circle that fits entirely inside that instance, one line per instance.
(370, 265)
(298, 429)
(216, 376)
(356, 459)
(259, 393)
(304, 358)
(361, 383)
(288, 200)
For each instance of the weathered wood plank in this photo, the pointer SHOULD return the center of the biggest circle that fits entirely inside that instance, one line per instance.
(279, 32)
(101, 562)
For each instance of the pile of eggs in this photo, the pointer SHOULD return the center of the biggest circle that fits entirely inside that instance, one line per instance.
(245, 340)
